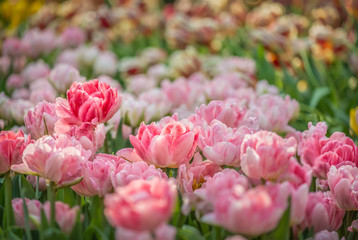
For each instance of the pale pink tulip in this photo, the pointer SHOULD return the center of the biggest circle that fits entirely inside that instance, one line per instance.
(322, 213)
(21, 94)
(33, 181)
(12, 146)
(163, 232)
(266, 155)
(12, 47)
(33, 210)
(105, 63)
(40, 121)
(37, 42)
(72, 37)
(140, 83)
(18, 108)
(221, 145)
(15, 81)
(57, 159)
(62, 76)
(111, 82)
(320, 152)
(152, 55)
(141, 205)
(343, 183)
(42, 90)
(354, 226)
(97, 176)
(35, 70)
(252, 212)
(65, 216)
(326, 235)
(168, 145)
(299, 198)
(68, 57)
(90, 102)
(126, 172)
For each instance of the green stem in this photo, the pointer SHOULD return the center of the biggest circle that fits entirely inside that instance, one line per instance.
(51, 197)
(37, 187)
(8, 198)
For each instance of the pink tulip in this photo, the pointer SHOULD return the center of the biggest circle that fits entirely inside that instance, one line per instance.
(96, 176)
(141, 205)
(168, 145)
(320, 152)
(35, 70)
(42, 90)
(152, 55)
(73, 37)
(242, 65)
(126, 172)
(33, 210)
(12, 47)
(230, 115)
(18, 108)
(37, 42)
(40, 121)
(90, 102)
(354, 226)
(33, 181)
(192, 176)
(57, 159)
(12, 146)
(62, 76)
(326, 235)
(68, 57)
(322, 213)
(65, 216)
(140, 83)
(236, 237)
(163, 232)
(296, 174)
(15, 81)
(252, 212)
(105, 63)
(221, 184)
(111, 82)
(343, 183)
(299, 198)
(266, 155)
(221, 144)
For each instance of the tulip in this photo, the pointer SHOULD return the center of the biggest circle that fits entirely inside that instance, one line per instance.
(62, 76)
(141, 205)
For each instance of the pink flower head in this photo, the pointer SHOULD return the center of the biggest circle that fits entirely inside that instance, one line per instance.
(62, 76)
(221, 144)
(343, 183)
(140, 83)
(32, 179)
(12, 47)
(57, 159)
(35, 71)
(222, 183)
(33, 210)
(266, 155)
(42, 90)
(322, 213)
(15, 81)
(12, 146)
(217, 110)
(96, 176)
(166, 144)
(299, 198)
(68, 57)
(37, 42)
(354, 226)
(275, 113)
(192, 176)
(89, 102)
(126, 172)
(18, 108)
(73, 37)
(320, 152)
(163, 232)
(141, 205)
(326, 235)
(252, 212)
(65, 216)
(296, 174)
(105, 63)
(40, 121)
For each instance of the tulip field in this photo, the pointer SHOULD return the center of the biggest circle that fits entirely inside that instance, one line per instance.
(179, 119)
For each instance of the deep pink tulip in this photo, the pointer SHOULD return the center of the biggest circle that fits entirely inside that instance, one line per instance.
(12, 146)
(89, 102)
(141, 205)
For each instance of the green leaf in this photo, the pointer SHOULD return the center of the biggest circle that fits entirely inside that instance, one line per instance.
(318, 94)
(94, 231)
(189, 232)
(26, 190)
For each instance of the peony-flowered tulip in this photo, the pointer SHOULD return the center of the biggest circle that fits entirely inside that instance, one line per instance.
(62, 76)
(266, 155)
(56, 159)
(320, 152)
(97, 176)
(40, 121)
(322, 213)
(343, 183)
(12, 146)
(221, 144)
(35, 71)
(91, 102)
(169, 145)
(126, 172)
(252, 212)
(163, 232)
(141, 205)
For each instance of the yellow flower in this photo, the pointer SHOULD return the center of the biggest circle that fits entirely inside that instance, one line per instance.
(13, 12)
(353, 121)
